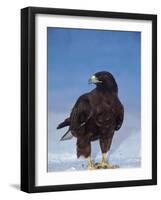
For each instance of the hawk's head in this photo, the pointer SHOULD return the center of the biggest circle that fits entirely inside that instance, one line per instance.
(104, 80)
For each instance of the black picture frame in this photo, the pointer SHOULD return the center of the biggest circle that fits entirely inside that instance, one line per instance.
(28, 98)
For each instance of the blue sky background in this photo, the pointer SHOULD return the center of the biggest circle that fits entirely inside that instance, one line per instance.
(76, 54)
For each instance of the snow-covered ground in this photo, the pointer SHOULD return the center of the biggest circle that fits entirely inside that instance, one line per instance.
(125, 148)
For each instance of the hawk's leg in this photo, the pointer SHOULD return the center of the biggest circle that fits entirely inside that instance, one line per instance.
(90, 164)
(104, 163)
(105, 144)
(84, 149)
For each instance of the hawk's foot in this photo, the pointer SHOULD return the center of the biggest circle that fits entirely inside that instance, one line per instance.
(105, 165)
(90, 165)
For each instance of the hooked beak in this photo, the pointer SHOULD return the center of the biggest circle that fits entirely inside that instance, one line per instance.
(94, 80)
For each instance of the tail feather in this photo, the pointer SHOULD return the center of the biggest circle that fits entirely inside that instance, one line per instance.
(66, 122)
(66, 136)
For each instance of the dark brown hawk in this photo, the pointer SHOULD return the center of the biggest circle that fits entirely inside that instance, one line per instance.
(96, 116)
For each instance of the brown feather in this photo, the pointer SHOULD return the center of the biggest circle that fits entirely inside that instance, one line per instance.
(96, 115)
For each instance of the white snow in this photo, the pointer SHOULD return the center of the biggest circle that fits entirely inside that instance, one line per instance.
(125, 148)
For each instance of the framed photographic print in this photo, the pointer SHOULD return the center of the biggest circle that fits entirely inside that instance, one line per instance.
(88, 99)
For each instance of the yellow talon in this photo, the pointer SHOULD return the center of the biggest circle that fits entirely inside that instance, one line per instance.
(104, 164)
(90, 165)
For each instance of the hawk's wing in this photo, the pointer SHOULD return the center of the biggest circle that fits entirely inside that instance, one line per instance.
(120, 116)
(79, 116)
(81, 113)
